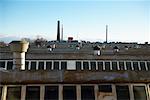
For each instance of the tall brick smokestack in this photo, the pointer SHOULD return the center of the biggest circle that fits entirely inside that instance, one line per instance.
(19, 48)
(58, 30)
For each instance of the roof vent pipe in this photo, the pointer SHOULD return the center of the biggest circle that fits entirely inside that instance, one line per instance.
(19, 48)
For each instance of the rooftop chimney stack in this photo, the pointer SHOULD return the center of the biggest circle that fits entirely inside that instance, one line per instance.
(19, 48)
(58, 30)
(106, 33)
(62, 32)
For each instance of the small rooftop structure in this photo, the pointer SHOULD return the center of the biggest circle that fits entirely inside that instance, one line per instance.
(19, 48)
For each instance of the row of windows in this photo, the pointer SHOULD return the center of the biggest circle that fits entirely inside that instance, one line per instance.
(80, 92)
(81, 65)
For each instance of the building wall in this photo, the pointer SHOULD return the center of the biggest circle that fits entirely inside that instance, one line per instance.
(99, 91)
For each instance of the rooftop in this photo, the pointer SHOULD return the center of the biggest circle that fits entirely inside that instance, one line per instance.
(82, 50)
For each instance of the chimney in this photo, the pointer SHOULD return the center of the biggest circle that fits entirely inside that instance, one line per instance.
(58, 30)
(19, 48)
(106, 33)
(62, 33)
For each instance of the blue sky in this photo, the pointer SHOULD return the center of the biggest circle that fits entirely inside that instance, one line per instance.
(84, 20)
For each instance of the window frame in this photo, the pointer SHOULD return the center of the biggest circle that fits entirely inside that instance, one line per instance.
(146, 90)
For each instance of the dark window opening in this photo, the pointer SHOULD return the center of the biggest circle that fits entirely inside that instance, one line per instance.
(148, 65)
(114, 66)
(48, 65)
(13, 93)
(33, 66)
(107, 66)
(51, 93)
(122, 93)
(135, 65)
(56, 65)
(100, 66)
(139, 93)
(87, 93)
(2, 64)
(78, 65)
(33, 93)
(41, 66)
(121, 65)
(85, 65)
(69, 93)
(105, 88)
(63, 65)
(142, 65)
(26, 65)
(128, 65)
(93, 65)
(9, 65)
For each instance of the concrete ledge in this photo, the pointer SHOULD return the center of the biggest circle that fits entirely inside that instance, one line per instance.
(44, 77)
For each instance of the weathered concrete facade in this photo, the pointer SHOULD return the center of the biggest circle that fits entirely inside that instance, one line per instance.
(73, 77)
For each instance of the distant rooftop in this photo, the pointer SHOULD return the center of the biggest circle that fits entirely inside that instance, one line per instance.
(80, 50)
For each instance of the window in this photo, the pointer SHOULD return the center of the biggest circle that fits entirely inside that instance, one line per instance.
(2, 64)
(9, 65)
(105, 88)
(105, 92)
(13, 93)
(122, 92)
(100, 66)
(26, 65)
(33, 93)
(128, 65)
(114, 66)
(41, 66)
(78, 65)
(0, 92)
(107, 66)
(33, 66)
(121, 65)
(71, 65)
(93, 65)
(85, 65)
(69, 93)
(148, 65)
(142, 65)
(63, 65)
(48, 65)
(51, 93)
(139, 93)
(87, 93)
(135, 65)
(56, 65)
